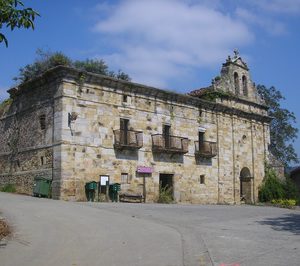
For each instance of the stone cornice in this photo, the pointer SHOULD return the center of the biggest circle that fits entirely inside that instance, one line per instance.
(61, 73)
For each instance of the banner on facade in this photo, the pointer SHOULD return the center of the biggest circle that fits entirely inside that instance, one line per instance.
(144, 170)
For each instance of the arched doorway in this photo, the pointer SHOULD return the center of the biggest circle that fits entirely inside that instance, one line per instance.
(245, 185)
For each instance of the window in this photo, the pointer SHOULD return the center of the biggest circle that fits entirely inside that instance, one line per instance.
(125, 98)
(200, 113)
(166, 135)
(43, 161)
(245, 88)
(201, 140)
(202, 179)
(124, 178)
(124, 123)
(43, 122)
(236, 83)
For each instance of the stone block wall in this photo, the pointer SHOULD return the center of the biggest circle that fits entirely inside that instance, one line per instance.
(88, 150)
(25, 144)
(77, 144)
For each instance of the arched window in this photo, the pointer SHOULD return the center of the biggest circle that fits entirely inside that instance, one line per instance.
(236, 83)
(245, 88)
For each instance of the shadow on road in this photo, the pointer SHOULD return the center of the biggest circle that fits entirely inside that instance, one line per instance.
(288, 222)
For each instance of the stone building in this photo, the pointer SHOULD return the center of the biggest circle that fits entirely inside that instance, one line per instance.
(72, 127)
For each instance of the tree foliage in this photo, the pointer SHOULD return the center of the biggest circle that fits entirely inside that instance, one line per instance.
(46, 60)
(274, 189)
(13, 15)
(282, 131)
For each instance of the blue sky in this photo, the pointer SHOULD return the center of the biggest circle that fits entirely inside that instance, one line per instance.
(173, 44)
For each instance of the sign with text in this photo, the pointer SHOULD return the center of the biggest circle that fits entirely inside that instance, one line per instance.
(144, 170)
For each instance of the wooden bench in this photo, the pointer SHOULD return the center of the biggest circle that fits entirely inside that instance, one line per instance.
(130, 197)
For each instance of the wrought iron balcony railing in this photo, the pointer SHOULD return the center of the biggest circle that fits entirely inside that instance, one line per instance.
(206, 149)
(128, 139)
(169, 144)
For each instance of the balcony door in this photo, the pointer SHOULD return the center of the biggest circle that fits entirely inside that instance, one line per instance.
(124, 125)
(166, 135)
(201, 140)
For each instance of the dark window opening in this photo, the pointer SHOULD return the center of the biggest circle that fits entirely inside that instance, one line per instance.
(125, 98)
(124, 178)
(166, 135)
(201, 139)
(236, 83)
(200, 113)
(124, 123)
(166, 184)
(42, 160)
(245, 88)
(202, 179)
(43, 122)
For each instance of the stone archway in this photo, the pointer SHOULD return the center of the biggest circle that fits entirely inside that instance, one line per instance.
(245, 185)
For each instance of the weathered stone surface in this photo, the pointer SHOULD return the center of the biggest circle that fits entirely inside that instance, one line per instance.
(82, 149)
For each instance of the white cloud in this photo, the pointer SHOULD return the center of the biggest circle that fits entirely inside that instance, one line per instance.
(155, 39)
(270, 25)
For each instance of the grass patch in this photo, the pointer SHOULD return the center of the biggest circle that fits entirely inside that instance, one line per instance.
(165, 195)
(8, 188)
(284, 203)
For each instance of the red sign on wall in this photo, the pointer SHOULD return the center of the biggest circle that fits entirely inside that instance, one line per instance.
(144, 169)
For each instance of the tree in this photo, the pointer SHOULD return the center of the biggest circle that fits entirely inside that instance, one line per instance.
(12, 16)
(43, 62)
(46, 60)
(282, 131)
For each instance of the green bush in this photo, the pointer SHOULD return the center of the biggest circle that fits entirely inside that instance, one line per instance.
(272, 187)
(165, 195)
(291, 190)
(287, 203)
(278, 192)
(8, 188)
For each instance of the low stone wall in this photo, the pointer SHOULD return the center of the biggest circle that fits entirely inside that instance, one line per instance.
(23, 182)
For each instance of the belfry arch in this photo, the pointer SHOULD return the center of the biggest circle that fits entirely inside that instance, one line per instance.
(246, 185)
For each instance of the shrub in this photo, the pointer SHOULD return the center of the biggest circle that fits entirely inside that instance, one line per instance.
(165, 195)
(9, 188)
(291, 190)
(272, 187)
(286, 203)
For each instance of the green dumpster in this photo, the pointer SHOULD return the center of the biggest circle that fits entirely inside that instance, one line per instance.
(90, 190)
(113, 191)
(41, 187)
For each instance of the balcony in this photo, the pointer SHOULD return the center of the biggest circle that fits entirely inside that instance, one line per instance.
(128, 139)
(206, 149)
(169, 144)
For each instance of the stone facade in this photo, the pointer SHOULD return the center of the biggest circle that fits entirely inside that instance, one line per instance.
(73, 127)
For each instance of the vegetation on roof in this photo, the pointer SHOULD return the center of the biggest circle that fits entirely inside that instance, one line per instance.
(47, 59)
(4, 106)
(212, 95)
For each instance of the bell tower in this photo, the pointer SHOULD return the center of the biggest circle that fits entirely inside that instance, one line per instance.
(235, 79)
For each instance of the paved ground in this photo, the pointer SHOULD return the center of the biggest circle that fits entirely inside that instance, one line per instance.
(48, 232)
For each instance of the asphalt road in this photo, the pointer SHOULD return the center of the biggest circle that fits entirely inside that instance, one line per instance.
(48, 232)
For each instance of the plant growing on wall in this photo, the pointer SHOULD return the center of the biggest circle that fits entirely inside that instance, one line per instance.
(46, 60)
(216, 94)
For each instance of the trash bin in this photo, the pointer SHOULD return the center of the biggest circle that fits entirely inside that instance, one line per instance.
(90, 190)
(113, 191)
(41, 187)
